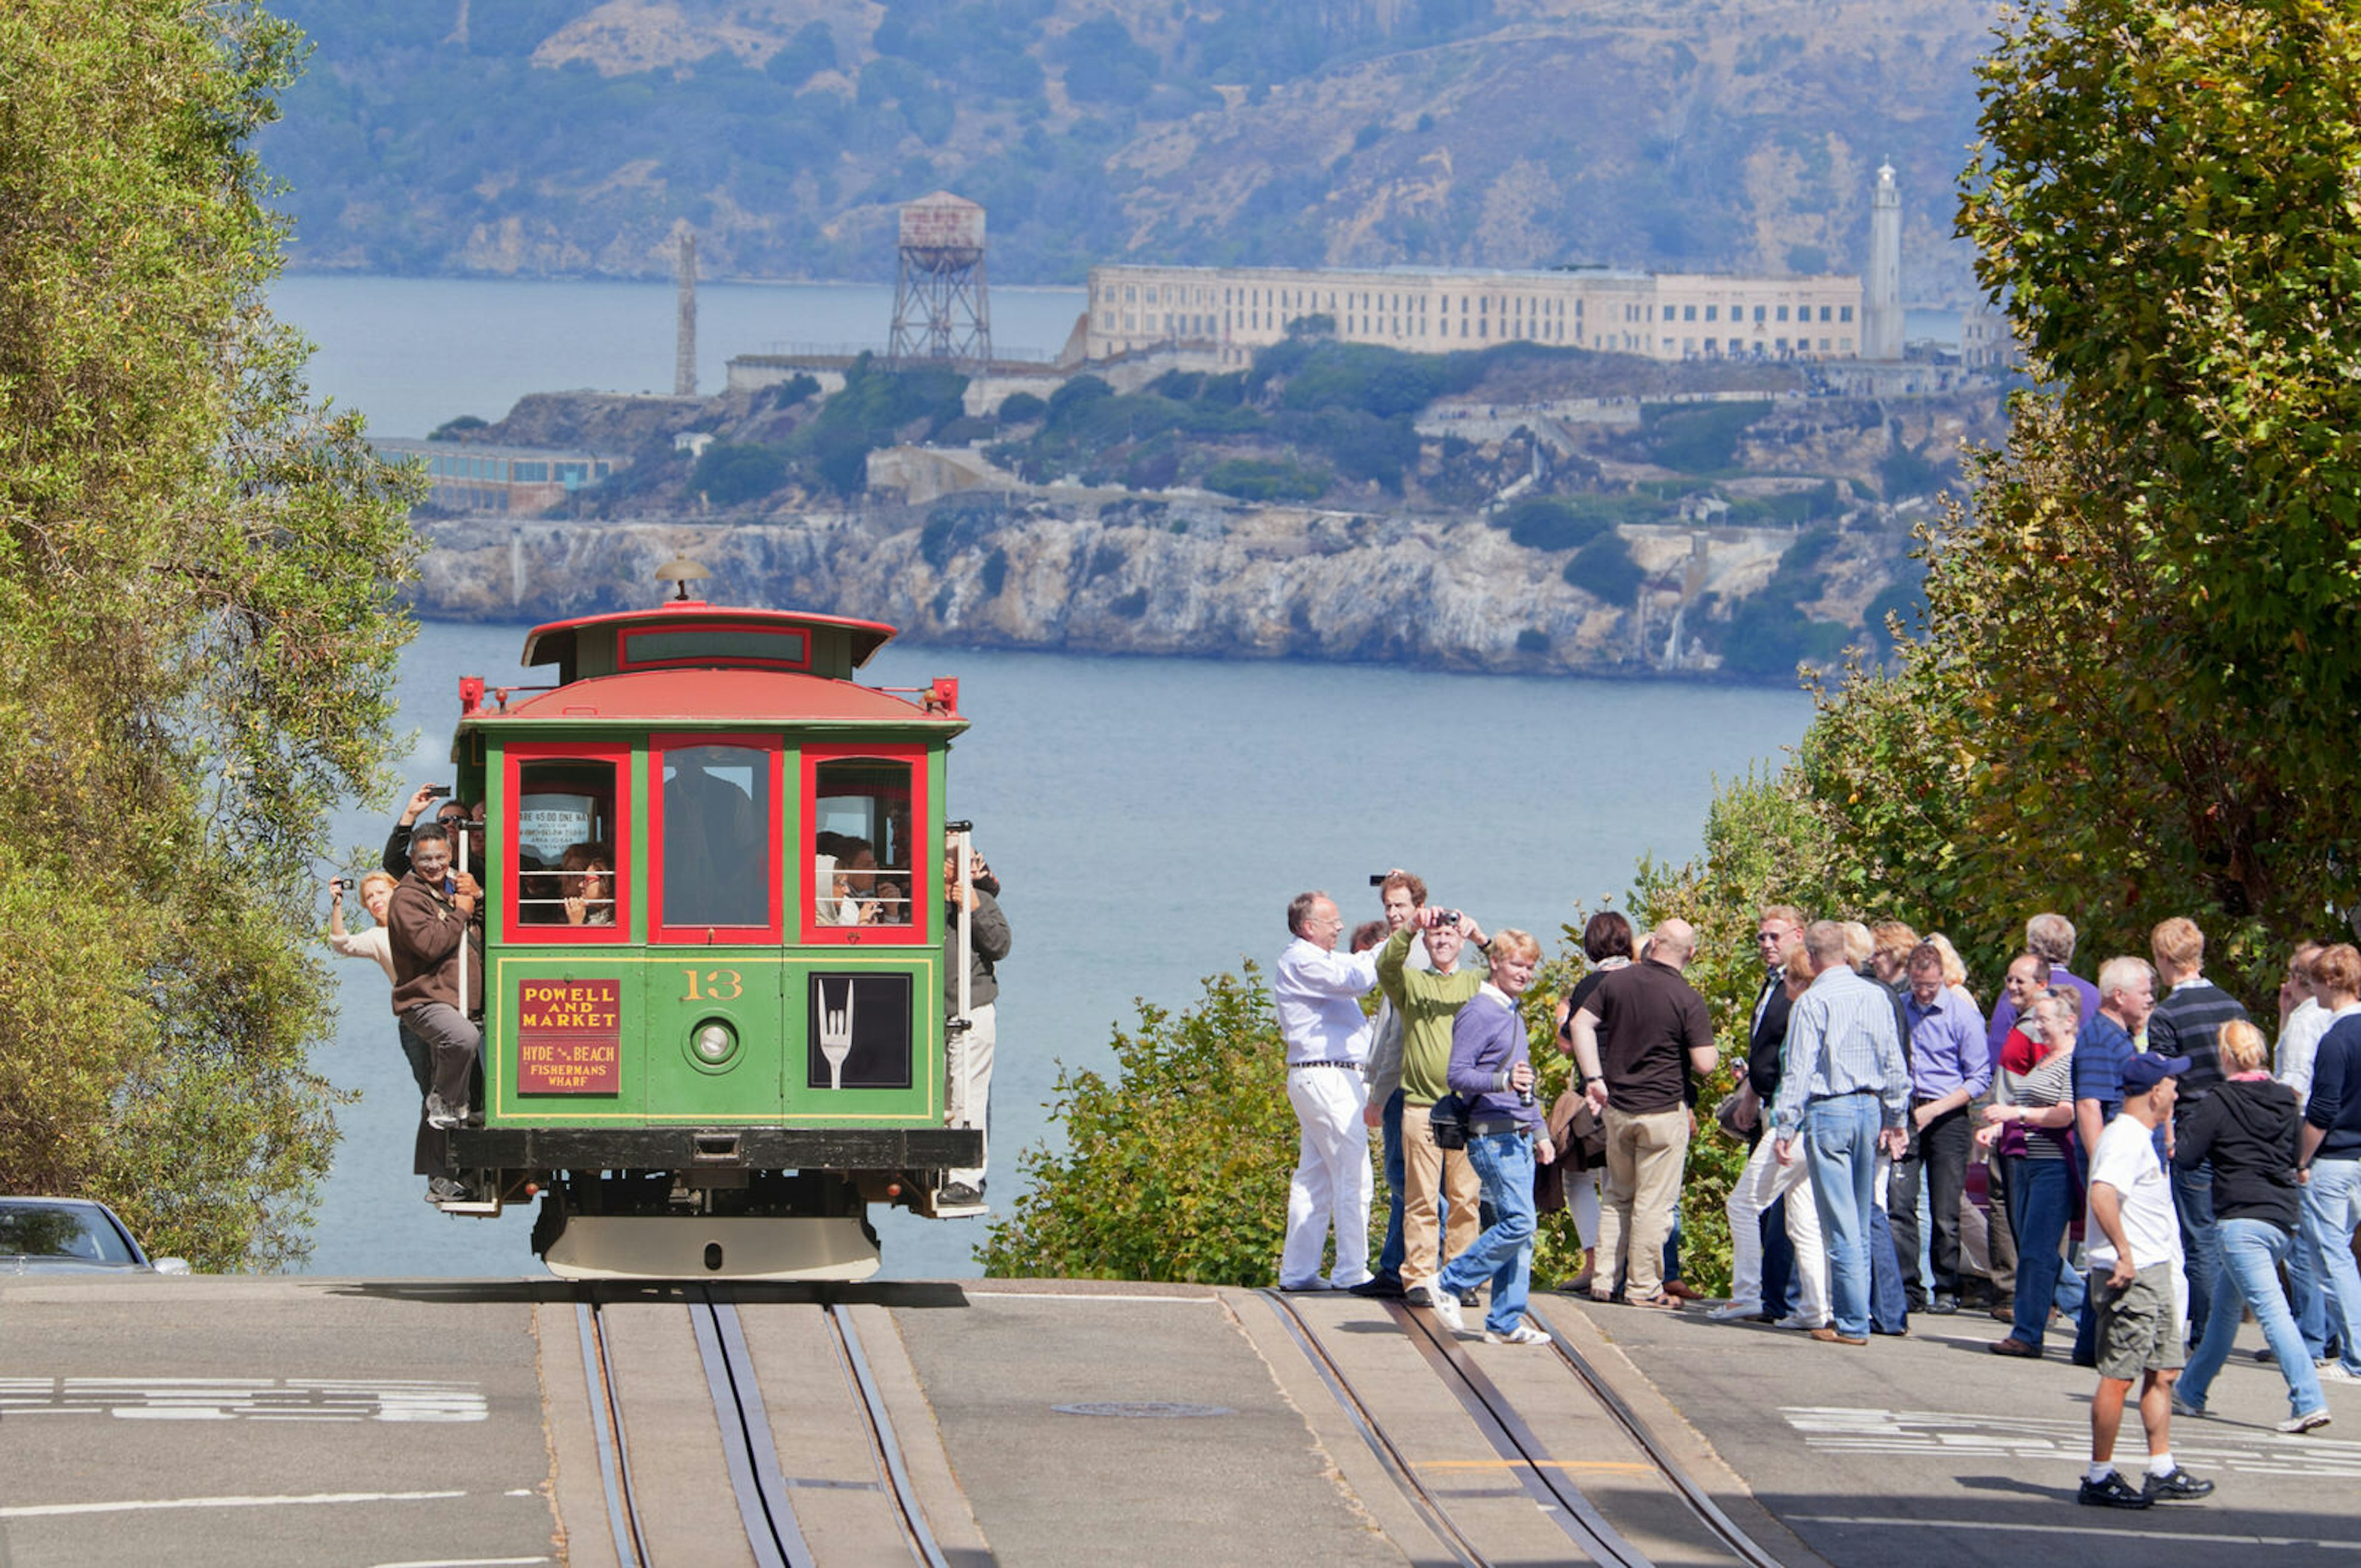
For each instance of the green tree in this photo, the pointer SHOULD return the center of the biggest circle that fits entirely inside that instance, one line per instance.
(2130, 691)
(1174, 1170)
(199, 571)
(2140, 652)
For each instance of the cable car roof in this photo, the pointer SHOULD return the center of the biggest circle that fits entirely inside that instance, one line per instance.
(709, 697)
(565, 642)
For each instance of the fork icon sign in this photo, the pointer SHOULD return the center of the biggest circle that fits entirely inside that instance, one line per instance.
(836, 1033)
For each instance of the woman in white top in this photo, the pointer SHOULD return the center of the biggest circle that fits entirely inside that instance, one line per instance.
(377, 892)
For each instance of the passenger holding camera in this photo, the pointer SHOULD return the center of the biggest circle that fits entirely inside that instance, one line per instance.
(451, 816)
(377, 892)
(1427, 1001)
(1493, 1077)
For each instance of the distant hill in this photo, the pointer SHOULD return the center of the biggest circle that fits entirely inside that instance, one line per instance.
(562, 136)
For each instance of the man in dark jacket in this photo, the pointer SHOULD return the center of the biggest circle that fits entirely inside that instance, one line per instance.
(433, 923)
(1763, 1259)
(971, 1048)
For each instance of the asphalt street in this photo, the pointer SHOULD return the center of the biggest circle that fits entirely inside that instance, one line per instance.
(382, 1423)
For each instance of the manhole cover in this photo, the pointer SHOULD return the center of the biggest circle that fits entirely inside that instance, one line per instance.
(1143, 1409)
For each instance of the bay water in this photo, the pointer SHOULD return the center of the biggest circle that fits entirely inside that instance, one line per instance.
(1149, 818)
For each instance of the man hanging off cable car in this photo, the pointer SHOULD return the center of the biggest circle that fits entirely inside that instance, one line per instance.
(436, 927)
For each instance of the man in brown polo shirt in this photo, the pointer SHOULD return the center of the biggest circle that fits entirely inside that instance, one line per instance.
(1637, 1038)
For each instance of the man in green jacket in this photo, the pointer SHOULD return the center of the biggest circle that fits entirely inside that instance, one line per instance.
(1428, 1000)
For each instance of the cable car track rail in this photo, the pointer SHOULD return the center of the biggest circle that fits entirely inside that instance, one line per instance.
(1513, 1440)
(765, 1496)
(1543, 1477)
(1744, 1546)
(606, 1427)
(1431, 1511)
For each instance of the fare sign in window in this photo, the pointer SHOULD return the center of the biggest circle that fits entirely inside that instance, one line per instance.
(569, 1036)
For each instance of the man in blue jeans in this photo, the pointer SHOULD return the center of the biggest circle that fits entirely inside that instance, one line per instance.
(1492, 1074)
(1844, 1092)
(2330, 1162)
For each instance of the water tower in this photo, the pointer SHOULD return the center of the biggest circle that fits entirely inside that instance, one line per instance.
(940, 313)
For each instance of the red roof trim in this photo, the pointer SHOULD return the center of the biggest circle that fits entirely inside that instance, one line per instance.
(727, 696)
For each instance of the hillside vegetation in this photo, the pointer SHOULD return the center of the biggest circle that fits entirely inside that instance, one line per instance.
(563, 137)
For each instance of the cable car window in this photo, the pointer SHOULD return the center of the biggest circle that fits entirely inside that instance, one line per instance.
(861, 843)
(565, 842)
(718, 811)
(757, 645)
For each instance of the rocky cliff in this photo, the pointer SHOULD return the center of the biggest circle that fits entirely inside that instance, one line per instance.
(1203, 580)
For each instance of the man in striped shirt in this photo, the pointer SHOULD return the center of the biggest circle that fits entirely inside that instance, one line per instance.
(2187, 1023)
(1844, 1090)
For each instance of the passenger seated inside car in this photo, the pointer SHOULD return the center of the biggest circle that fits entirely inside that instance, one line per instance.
(586, 884)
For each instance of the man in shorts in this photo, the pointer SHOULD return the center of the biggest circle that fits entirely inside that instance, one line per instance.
(2134, 1255)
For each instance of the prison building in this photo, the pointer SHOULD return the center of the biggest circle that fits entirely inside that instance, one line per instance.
(1230, 312)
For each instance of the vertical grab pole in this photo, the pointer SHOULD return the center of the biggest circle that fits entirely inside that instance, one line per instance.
(958, 839)
(460, 843)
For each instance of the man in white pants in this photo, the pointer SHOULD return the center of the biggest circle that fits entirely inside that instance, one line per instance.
(1317, 992)
(970, 1048)
(1764, 1180)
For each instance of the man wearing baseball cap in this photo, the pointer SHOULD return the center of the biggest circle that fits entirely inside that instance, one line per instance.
(2133, 1254)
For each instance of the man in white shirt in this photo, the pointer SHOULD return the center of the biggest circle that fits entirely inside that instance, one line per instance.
(2133, 1250)
(2302, 1020)
(1317, 992)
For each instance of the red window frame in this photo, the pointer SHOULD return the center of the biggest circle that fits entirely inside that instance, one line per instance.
(922, 878)
(514, 758)
(658, 931)
(623, 660)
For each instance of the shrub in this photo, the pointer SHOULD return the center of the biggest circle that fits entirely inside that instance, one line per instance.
(1078, 392)
(1176, 1168)
(729, 475)
(1555, 523)
(965, 429)
(874, 404)
(1605, 570)
(793, 390)
(1252, 479)
(1904, 472)
(452, 429)
(1383, 382)
(1694, 438)
(995, 572)
(1533, 640)
(1130, 606)
(1023, 408)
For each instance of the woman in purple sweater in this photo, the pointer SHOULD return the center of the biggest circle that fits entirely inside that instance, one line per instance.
(1493, 1075)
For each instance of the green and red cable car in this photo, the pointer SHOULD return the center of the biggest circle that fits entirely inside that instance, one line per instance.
(714, 1001)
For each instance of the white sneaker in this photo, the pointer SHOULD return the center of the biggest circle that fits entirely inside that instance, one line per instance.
(1735, 1312)
(1526, 1334)
(1798, 1320)
(2309, 1422)
(1445, 1307)
(2338, 1372)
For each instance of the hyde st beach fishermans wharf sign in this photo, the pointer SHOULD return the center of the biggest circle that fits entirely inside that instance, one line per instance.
(569, 1036)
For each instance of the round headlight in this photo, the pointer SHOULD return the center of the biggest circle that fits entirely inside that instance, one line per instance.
(713, 1042)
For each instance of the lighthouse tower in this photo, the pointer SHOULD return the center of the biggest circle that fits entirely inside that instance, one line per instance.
(1881, 337)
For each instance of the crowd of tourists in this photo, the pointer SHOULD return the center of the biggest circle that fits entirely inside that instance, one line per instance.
(2126, 1157)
